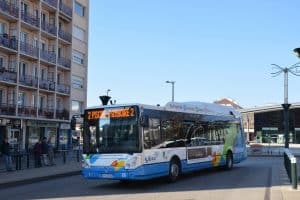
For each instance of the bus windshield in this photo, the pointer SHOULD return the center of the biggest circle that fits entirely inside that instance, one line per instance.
(111, 130)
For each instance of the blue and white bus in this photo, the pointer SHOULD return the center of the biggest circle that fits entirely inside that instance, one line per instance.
(139, 142)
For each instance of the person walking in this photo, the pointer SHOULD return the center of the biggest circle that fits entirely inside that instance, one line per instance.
(50, 152)
(45, 151)
(6, 154)
(37, 154)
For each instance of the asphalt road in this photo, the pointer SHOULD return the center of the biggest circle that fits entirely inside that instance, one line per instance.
(248, 180)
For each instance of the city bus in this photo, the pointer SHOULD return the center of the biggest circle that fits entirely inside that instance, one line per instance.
(139, 142)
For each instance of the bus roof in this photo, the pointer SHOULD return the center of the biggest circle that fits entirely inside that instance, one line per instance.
(187, 107)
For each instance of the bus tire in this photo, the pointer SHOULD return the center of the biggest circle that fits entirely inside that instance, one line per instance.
(229, 161)
(174, 171)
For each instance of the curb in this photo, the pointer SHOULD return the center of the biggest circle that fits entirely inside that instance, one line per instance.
(38, 179)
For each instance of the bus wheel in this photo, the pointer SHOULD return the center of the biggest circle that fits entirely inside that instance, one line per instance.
(229, 160)
(174, 171)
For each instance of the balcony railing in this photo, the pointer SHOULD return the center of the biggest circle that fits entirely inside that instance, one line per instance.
(48, 56)
(65, 35)
(64, 62)
(48, 113)
(30, 19)
(7, 109)
(47, 85)
(29, 49)
(49, 28)
(63, 88)
(9, 8)
(28, 80)
(28, 111)
(62, 114)
(8, 72)
(51, 2)
(8, 41)
(65, 9)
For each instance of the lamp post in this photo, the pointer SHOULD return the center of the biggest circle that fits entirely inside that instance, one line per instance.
(294, 71)
(107, 91)
(172, 82)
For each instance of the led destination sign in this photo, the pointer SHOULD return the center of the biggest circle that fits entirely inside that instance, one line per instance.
(112, 113)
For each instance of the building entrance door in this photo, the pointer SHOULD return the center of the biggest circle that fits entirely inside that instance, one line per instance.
(15, 139)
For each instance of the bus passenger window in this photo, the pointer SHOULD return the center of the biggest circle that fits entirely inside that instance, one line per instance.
(152, 136)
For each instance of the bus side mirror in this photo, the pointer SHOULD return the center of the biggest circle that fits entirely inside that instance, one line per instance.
(73, 123)
(145, 121)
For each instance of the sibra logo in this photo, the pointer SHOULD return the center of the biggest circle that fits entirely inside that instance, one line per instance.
(117, 164)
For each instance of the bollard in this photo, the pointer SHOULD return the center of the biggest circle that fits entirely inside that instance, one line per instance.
(78, 155)
(294, 177)
(28, 160)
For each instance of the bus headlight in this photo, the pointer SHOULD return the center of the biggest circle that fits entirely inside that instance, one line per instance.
(134, 162)
(84, 163)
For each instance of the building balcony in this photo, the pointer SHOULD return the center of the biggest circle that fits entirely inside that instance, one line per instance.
(27, 111)
(64, 62)
(65, 35)
(7, 109)
(62, 114)
(63, 88)
(30, 19)
(28, 80)
(47, 113)
(29, 50)
(8, 73)
(52, 3)
(48, 56)
(47, 85)
(49, 28)
(9, 42)
(9, 8)
(65, 9)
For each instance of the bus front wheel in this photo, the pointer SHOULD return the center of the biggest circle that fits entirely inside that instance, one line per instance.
(174, 171)
(229, 160)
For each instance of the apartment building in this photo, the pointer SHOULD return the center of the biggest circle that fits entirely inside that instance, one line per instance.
(43, 69)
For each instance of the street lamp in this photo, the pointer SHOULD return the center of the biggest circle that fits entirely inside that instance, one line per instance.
(172, 82)
(294, 71)
(107, 91)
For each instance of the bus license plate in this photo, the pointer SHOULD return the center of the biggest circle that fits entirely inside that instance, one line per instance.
(107, 176)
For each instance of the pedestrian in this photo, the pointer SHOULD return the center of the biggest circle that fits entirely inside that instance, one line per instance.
(6, 154)
(50, 152)
(45, 151)
(37, 153)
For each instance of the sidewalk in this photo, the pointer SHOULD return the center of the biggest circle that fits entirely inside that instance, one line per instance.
(71, 166)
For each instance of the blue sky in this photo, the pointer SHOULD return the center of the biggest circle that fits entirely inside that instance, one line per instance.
(212, 49)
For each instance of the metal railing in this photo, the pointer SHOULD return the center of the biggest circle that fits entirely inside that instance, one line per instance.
(63, 88)
(65, 9)
(9, 8)
(30, 18)
(51, 2)
(8, 72)
(64, 62)
(27, 111)
(64, 35)
(29, 49)
(48, 56)
(7, 109)
(8, 41)
(48, 113)
(49, 28)
(62, 114)
(47, 85)
(28, 80)
(290, 164)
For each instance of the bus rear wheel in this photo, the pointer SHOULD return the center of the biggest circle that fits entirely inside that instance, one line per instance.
(174, 171)
(229, 161)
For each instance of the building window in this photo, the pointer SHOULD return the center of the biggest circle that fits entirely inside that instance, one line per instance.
(1, 96)
(2, 28)
(78, 33)
(76, 106)
(42, 102)
(33, 100)
(21, 99)
(1, 62)
(79, 9)
(77, 82)
(78, 57)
